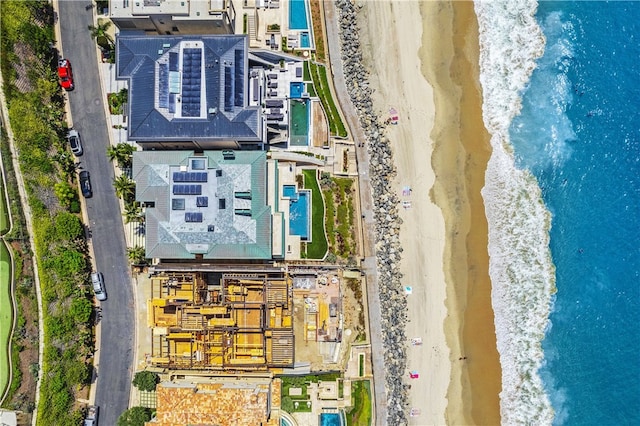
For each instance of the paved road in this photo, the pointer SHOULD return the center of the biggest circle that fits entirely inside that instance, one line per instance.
(105, 222)
(369, 266)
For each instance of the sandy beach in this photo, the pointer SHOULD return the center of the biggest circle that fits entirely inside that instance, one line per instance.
(440, 149)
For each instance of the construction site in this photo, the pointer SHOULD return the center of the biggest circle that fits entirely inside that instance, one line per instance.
(221, 321)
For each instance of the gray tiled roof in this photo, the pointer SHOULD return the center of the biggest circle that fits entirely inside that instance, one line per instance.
(187, 88)
(239, 181)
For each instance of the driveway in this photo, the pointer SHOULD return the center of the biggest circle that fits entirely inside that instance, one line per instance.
(116, 339)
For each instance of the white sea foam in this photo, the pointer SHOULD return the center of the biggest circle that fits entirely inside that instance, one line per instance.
(521, 269)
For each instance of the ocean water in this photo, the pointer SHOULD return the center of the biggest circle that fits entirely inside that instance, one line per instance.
(561, 88)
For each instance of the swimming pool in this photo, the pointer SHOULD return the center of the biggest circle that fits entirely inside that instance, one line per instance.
(290, 191)
(330, 419)
(298, 15)
(299, 123)
(299, 214)
(295, 90)
(304, 40)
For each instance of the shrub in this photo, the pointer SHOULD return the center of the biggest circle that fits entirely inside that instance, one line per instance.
(135, 416)
(64, 192)
(67, 226)
(74, 206)
(146, 380)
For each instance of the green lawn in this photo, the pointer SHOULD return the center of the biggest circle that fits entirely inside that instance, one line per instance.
(321, 84)
(317, 249)
(6, 315)
(360, 413)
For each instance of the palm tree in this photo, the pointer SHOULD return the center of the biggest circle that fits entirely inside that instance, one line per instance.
(125, 187)
(136, 255)
(133, 213)
(100, 35)
(121, 154)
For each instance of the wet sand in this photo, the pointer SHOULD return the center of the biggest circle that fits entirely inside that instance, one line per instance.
(440, 150)
(460, 157)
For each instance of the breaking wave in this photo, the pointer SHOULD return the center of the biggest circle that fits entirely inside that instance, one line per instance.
(521, 269)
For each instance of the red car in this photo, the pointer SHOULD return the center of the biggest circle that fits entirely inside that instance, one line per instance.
(65, 74)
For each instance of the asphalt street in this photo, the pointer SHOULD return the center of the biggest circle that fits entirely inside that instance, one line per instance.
(116, 340)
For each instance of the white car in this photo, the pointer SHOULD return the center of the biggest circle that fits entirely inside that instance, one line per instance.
(97, 280)
(416, 341)
(74, 142)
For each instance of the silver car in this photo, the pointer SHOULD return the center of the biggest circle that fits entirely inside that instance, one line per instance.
(97, 280)
(74, 141)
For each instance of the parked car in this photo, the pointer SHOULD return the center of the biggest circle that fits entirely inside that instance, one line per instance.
(416, 341)
(97, 280)
(85, 184)
(414, 374)
(65, 74)
(92, 416)
(74, 141)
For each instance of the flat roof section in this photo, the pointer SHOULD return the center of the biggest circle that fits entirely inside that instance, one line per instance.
(187, 88)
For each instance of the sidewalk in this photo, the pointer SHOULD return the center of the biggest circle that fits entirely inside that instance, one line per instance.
(141, 293)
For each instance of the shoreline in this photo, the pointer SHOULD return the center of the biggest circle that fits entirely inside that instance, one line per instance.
(475, 386)
(432, 81)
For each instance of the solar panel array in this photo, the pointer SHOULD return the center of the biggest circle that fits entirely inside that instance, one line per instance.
(190, 176)
(187, 189)
(163, 85)
(202, 202)
(191, 82)
(172, 103)
(173, 61)
(193, 217)
(228, 90)
(239, 77)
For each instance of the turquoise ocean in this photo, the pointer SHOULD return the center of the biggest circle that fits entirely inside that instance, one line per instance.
(561, 87)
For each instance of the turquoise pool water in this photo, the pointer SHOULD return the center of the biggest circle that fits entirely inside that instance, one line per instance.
(298, 15)
(330, 419)
(304, 40)
(295, 90)
(284, 422)
(290, 191)
(298, 212)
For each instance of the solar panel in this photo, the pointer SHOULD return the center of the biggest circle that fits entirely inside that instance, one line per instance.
(191, 80)
(163, 85)
(228, 90)
(172, 103)
(187, 189)
(239, 77)
(202, 201)
(190, 176)
(193, 217)
(173, 61)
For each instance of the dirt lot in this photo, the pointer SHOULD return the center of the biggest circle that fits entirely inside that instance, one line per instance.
(312, 351)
